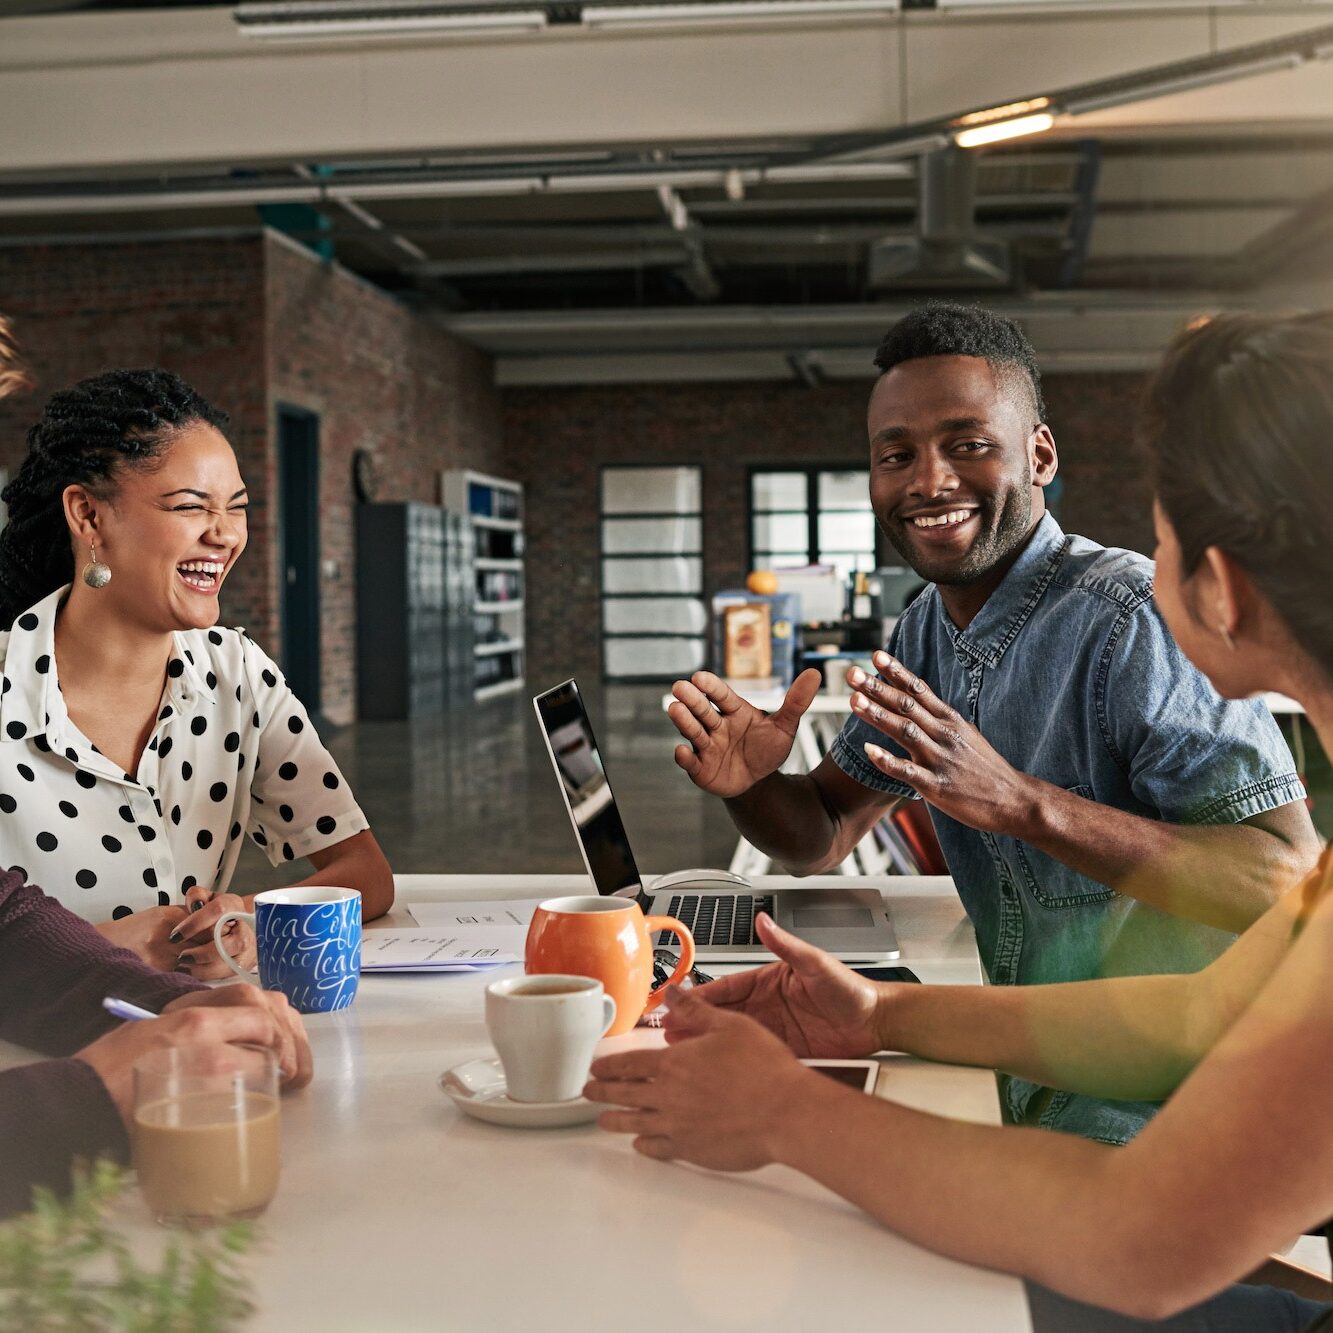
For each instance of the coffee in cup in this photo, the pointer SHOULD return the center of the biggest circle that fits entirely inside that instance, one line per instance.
(545, 1030)
(610, 939)
(206, 1132)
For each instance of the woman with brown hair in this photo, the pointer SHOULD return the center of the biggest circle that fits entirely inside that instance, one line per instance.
(1240, 1160)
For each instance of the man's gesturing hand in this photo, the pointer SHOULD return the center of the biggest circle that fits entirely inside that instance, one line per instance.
(819, 1007)
(951, 763)
(732, 745)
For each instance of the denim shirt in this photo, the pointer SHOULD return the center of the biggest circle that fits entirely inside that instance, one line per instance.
(1070, 673)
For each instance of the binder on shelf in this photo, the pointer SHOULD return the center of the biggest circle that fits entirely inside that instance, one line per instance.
(493, 508)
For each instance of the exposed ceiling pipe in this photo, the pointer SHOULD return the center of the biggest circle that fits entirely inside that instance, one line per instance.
(947, 250)
(249, 195)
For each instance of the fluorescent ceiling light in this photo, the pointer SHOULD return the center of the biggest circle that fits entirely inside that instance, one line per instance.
(1010, 111)
(304, 22)
(1078, 106)
(728, 11)
(1105, 6)
(1004, 129)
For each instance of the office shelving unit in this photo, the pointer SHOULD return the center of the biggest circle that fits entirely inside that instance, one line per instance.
(413, 611)
(494, 506)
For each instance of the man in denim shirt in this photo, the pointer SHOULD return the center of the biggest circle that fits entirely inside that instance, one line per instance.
(1104, 812)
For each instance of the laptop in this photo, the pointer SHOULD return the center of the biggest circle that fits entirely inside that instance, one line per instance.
(717, 906)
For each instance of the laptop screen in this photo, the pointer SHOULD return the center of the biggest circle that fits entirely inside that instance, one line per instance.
(586, 791)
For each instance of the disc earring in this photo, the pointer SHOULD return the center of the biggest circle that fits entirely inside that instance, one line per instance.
(95, 573)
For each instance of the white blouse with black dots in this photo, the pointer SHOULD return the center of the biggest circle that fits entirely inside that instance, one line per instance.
(232, 752)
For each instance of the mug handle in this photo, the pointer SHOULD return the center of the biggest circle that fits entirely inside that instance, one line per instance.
(608, 1012)
(226, 957)
(686, 961)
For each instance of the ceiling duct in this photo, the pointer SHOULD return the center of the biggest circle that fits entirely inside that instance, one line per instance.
(948, 251)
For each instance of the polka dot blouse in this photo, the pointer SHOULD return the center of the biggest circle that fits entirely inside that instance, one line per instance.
(233, 752)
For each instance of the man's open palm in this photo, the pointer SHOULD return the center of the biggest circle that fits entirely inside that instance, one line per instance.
(731, 744)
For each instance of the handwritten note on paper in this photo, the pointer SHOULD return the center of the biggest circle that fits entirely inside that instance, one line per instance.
(419, 950)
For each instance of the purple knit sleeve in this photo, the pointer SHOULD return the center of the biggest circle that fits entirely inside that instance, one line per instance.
(53, 1114)
(55, 969)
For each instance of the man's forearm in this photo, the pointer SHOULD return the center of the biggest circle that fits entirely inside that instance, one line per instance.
(1127, 1038)
(785, 817)
(1222, 875)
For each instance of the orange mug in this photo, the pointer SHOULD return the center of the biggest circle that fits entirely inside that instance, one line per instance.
(606, 938)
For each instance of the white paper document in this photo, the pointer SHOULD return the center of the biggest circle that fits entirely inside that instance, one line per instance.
(515, 913)
(418, 949)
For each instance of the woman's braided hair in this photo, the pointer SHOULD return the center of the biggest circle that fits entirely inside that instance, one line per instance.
(123, 418)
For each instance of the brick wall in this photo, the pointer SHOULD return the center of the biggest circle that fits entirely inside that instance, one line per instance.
(382, 378)
(556, 441)
(254, 322)
(194, 307)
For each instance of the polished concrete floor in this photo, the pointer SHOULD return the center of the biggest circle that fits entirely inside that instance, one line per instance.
(475, 793)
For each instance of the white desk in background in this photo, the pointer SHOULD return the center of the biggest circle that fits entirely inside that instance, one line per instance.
(397, 1214)
(819, 727)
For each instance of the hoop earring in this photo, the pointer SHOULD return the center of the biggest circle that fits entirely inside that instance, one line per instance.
(1226, 637)
(95, 573)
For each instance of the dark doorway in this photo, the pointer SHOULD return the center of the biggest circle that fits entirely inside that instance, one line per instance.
(298, 551)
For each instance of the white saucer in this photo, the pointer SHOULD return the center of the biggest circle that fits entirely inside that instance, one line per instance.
(477, 1088)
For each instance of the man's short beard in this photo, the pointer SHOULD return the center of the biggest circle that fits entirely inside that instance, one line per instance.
(999, 539)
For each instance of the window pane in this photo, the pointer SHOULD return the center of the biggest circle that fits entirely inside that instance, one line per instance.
(629, 616)
(663, 658)
(846, 565)
(780, 559)
(637, 535)
(780, 532)
(846, 532)
(649, 490)
(844, 490)
(778, 490)
(669, 574)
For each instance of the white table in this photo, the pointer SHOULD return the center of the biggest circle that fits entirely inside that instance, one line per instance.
(398, 1213)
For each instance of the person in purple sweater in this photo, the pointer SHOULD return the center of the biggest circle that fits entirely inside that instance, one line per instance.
(55, 970)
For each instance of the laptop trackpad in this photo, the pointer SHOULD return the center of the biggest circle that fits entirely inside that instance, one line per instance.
(832, 918)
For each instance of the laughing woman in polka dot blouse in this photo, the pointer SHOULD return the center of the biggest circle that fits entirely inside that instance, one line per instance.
(138, 743)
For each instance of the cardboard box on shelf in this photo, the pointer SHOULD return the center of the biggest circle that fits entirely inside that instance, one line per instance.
(747, 652)
(783, 639)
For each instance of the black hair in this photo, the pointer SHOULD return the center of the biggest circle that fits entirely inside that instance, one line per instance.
(86, 435)
(1239, 434)
(940, 328)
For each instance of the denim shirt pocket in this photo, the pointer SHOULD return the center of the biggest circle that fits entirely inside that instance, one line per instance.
(1054, 884)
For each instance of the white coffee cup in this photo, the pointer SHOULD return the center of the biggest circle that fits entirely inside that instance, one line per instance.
(545, 1029)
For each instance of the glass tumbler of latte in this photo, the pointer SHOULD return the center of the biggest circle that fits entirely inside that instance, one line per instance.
(206, 1132)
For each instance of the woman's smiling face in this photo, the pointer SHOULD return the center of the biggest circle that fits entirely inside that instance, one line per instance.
(173, 530)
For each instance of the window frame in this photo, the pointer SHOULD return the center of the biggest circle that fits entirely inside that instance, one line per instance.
(603, 555)
(811, 472)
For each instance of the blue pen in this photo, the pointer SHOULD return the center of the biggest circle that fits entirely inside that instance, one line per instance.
(124, 1009)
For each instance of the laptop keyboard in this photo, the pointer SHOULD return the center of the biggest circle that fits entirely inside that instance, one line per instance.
(718, 918)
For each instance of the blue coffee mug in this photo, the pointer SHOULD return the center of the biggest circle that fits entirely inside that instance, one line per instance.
(309, 943)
